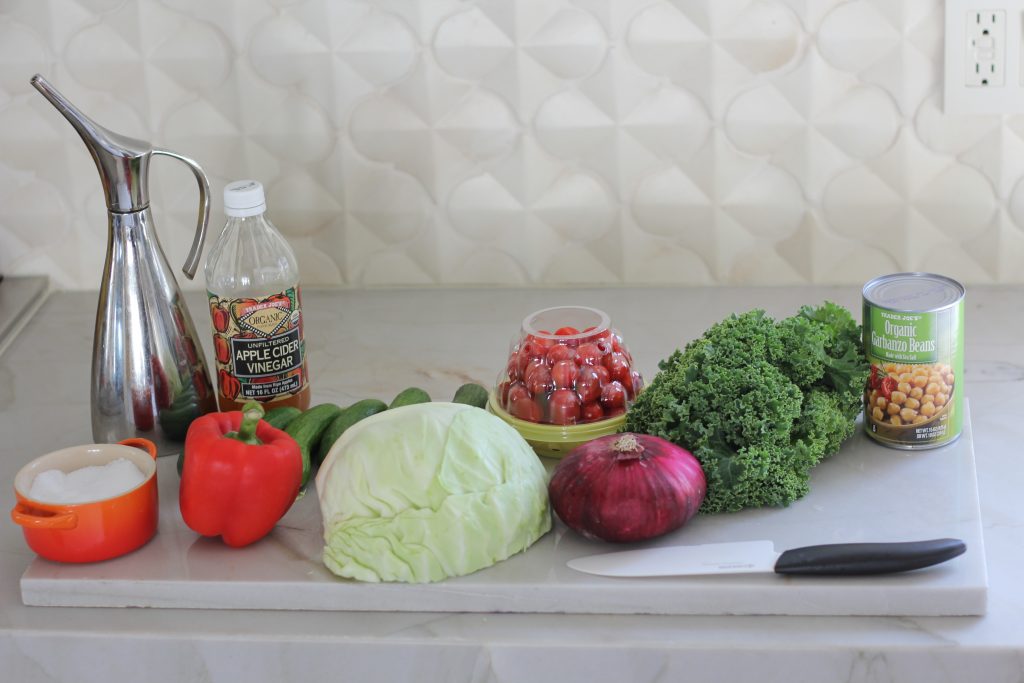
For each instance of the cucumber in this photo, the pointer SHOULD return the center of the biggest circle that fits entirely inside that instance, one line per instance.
(410, 396)
(307, 429)
(345, 419)
(471, 394)
(281, 417)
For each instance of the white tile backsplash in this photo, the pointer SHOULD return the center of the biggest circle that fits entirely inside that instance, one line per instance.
(696, 142)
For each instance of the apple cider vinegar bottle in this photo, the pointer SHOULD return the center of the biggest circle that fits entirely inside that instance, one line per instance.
(252, 280)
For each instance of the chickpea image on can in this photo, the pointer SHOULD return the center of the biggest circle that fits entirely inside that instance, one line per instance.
(913, 338)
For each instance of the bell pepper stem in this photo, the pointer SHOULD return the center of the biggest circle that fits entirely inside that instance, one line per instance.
(251, 414)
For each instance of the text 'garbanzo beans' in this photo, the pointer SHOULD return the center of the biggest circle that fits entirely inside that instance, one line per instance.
(913, 338)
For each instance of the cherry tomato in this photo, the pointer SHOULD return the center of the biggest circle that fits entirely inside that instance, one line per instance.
(564, 407)
(617, 366)
(602, 372)
(542, 402)
(588, 383)
(589, 354)
(627, 383)
(613, 396)
(517, 391)
(520, 359)
(525, 409)
(513, 369)
(566, 331)
(591, 411)
(564, 374)
(612, 357)
(534, 365)
(636, 383)
(534, 347)
(560, 352)
(520, 403)
(539, 381)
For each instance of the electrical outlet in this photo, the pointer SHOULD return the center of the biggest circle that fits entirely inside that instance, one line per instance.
(986, 48)
(984, 65)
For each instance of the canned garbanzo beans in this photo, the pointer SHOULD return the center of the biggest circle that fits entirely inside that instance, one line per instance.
(914, 340)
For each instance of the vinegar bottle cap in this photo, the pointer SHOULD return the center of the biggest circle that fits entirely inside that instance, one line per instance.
(244, 198)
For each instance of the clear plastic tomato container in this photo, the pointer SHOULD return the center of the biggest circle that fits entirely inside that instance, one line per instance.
(569, 378)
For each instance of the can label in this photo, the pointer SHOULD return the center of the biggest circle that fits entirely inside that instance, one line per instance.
(258, 346)
(914, 394)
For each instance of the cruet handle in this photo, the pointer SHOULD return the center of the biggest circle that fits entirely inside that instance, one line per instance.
(192, 260)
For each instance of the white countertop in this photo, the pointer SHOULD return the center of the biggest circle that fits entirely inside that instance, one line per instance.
(375, 343)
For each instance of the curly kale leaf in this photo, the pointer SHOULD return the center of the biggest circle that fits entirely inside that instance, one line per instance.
(759, 402)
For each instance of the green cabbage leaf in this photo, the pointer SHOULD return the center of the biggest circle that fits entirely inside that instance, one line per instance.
(429, 491)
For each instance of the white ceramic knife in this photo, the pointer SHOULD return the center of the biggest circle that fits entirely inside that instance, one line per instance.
(842, 559)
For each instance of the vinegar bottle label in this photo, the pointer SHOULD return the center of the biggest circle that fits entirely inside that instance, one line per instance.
(258, 346)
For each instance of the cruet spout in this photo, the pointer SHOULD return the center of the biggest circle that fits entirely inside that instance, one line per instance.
(123, 162)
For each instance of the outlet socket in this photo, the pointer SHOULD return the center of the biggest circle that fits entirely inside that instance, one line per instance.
(985, 57)
(984, 73)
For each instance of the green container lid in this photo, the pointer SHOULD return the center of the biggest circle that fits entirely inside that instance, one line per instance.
(554, 441)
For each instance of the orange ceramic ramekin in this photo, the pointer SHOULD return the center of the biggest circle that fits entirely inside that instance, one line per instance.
(94, 530)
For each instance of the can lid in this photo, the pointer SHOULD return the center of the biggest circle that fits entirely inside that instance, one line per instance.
(244, 198)
(913, 292)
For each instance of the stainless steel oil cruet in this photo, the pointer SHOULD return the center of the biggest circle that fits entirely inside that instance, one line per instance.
(149, 375)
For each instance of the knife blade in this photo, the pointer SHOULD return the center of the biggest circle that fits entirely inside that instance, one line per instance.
(745, 557)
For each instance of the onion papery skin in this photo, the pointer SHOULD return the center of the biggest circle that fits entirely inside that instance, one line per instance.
(602, 491)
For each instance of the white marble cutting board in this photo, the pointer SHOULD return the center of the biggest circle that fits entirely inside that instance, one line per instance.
(864, 493)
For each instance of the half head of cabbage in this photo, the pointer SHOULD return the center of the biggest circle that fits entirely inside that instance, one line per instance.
(429, 491)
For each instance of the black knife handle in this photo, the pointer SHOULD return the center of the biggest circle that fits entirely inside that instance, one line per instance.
(852, 559)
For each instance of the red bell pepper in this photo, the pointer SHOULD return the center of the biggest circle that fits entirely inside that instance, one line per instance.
(239, 476)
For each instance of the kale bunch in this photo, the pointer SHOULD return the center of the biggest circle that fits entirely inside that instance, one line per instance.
(759, 402)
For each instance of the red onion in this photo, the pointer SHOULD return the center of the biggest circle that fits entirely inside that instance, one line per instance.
(627, 487)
